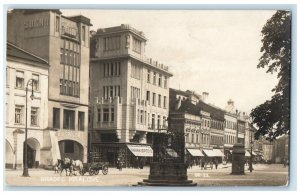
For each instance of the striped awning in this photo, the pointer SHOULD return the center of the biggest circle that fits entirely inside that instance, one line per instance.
(141, 150)
(213, 153)
(195, 152)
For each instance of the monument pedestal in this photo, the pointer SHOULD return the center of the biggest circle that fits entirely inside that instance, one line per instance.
(238, 159)
(167, 174)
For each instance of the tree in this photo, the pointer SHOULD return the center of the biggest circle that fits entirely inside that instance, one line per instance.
(273, 116)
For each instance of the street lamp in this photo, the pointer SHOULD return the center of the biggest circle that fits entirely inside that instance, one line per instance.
(237, 127)
(250, 163)
(25, 166)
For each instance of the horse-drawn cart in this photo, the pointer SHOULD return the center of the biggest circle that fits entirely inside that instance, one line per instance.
(94, 168)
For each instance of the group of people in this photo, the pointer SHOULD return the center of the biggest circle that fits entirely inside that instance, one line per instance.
(204, 163)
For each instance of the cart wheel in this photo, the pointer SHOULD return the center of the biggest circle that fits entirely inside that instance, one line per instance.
(96, 171)
(104, 170)
(91, 171)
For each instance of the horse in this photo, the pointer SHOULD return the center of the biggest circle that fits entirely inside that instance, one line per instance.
(65, 165)
(57, 166)
(77, 165)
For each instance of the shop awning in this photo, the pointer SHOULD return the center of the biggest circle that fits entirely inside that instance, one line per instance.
(213, 153)
(172, 152)
(195, 152)
(141, 150)
(218, 152)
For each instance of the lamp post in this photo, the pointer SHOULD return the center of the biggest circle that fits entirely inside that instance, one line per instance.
(237, 127)
(251, 148)
(25, 166)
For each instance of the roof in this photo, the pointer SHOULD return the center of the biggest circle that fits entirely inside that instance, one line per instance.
(17, 52)
(80, 18)
(33, 11)
(188, 107)
(121, 28)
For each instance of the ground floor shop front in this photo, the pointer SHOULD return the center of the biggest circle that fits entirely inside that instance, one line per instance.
(131, 155)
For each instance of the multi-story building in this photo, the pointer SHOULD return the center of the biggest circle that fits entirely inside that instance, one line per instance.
(64, 43)
(129, 94)
(202, 123)
(241, 126)
(229, 134)
(24, 69)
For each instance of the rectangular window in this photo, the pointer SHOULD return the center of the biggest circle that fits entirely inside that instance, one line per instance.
(148, 96)
(112, 114)
(148, 76)
(68, 146)
(136, 45)
(81, 121)
(153, 99)
(111, 73)
(164, 122)
(135, 71)
(83, 33)
(192, 138)
(105, 115)
(112, 43)
(35, 82)
(111, 91)
(142, 117)
(62, 55)
(18, 114)
(34, 116)
(56, 118)
(159, 100)
(158, 122)
(119, 91)
(153, 121)
(20, 79)
(159, 80)
(165, 101)
(69, 119)
(57, 24)
(166, 82)
(187, 138)
(99, 115)
(154, 78)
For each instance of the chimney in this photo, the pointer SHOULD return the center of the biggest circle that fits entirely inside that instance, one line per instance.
(205, 96)
(178, 103)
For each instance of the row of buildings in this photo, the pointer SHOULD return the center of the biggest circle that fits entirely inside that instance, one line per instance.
(97, 96)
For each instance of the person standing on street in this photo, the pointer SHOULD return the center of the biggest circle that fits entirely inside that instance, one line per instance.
(216, 163)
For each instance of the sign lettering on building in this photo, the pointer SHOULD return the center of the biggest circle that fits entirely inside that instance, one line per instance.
(36, 23)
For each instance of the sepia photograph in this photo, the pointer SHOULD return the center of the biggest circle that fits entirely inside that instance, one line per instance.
(133, 97)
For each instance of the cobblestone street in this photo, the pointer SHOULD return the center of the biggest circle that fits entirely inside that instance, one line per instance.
(274, 175)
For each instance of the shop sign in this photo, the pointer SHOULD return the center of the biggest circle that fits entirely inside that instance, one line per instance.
(36, 23)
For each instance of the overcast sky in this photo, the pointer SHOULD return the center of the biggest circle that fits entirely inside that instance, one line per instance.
(212, 51)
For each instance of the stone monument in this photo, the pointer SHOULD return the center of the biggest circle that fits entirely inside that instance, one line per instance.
(168, 167)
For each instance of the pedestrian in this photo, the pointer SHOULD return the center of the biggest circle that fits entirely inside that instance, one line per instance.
(216, 163)
(119, 164)
(202, 164)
